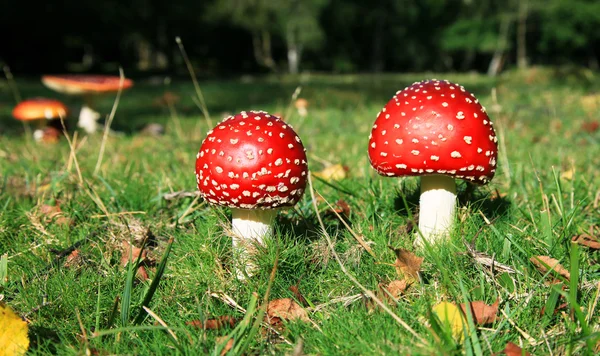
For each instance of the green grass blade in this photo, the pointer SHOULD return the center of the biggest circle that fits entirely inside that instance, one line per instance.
(160, 270)
(3, 270)
(129, 280)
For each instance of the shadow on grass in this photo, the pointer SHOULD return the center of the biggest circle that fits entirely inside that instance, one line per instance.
(306, 228)
(479, 199)
(43, 340)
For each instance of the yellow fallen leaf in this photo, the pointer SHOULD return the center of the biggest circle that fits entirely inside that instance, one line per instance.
(13, 333)
(451, 315)
(333, 172)
(568, 175)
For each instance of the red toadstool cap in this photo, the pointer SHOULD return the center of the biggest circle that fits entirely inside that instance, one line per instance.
(39, 108)
(434, 127)
(252, 160)
(82, 83)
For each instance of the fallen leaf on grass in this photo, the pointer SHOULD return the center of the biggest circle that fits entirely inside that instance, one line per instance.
(214, 324)
(407, 264)
(497, 195)
(546, 263)
(228, 346)
(341, 207)
(451, 316)
(13, 333)
(587, 240)
(53, 214)
(294, 289)
(481, 312)
(74, 259)
(590, 103)
(590, 126)
(131, 253)
(142, 274)
(557, 309)
(285, 309)
(333, 172)
(395, 288)
(512, 349)
(568, 174)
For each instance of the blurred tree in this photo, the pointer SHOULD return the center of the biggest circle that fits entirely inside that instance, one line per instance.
(569, 29)
(299, 21)
(481, 28)
(296, 22)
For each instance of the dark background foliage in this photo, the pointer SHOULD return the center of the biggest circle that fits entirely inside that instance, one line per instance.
(228, 37)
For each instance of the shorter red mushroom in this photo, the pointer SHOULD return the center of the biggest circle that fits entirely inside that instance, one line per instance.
(439, 131)
(40, 111)
(253, 163)
(87, 86)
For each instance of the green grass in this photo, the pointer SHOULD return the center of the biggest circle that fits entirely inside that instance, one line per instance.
(540, 209)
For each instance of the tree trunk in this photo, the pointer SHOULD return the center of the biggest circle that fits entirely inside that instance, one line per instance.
(522, 35)
(497, 61)
(293, 51)
(261, 43)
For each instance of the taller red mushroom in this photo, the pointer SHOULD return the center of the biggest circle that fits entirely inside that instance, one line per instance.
(253, 163)
(87, 86)
(437, 130)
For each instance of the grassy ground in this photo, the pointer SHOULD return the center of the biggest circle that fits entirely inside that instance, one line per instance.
(546, 190)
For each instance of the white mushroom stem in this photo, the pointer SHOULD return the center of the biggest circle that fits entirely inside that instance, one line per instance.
(88, 119)
(251, 224)
(437, 208)
(250, 227)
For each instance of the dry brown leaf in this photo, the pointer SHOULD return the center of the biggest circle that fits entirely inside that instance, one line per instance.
(481, 312)
(294, 289)
(496, 194)
(407, 265)
(131, 253)
(396, 288)
(141, 273)
(587, 240)
(228, 346)
(546, 263)
(341, 207)
(512, 349)
(74, 259)
(53, 214)
(285, 309)
(590, 126)
(214, 324)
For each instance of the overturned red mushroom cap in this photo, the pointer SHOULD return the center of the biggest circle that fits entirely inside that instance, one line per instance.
(39, 108)
(84, 83)
(434, 127)
(252, 160)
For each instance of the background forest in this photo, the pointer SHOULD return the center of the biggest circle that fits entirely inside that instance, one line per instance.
(225, 37)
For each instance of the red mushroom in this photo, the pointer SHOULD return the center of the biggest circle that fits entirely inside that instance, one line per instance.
(439, 131)
(87, 86)
(41, 110)
(253, 163)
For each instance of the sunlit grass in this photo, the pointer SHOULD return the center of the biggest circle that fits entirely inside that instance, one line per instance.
(546, 190)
